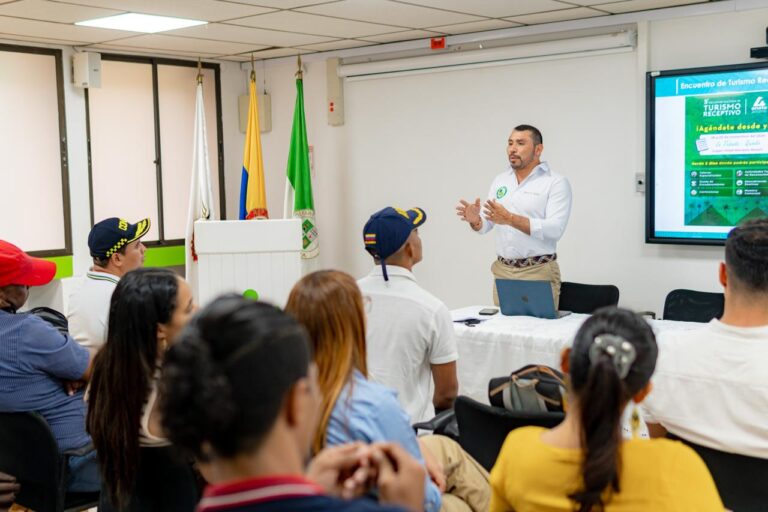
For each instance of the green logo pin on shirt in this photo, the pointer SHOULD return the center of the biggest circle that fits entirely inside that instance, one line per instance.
(501, 192)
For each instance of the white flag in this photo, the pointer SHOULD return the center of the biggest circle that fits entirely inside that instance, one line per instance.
(200, 193)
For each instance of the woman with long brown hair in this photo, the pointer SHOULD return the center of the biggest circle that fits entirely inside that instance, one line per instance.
(148, 309)
(330, 306)
(583, 464)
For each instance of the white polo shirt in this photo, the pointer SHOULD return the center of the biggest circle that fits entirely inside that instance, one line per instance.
(88, 312)
(710, 387)
(408, 330)
(544, 197)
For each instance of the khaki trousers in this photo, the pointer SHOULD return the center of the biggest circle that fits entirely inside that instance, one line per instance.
(466, 481)
(549, 271)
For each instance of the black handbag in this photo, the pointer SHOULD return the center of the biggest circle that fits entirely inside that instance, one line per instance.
(532, 388)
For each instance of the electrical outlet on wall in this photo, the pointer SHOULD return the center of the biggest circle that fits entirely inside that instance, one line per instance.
(640, 182)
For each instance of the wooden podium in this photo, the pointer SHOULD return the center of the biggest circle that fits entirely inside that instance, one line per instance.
(236, 255)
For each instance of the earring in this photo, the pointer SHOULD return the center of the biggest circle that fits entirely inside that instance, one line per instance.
(635, 422)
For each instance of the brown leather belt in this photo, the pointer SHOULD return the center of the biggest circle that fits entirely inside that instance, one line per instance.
(528, 262)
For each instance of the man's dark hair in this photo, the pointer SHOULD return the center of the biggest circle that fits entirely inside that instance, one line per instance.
(225, 380)
(103, 262)
(746, 255)
(535, 133)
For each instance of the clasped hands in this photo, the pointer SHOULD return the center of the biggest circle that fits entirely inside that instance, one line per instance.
(351, 470)
(492, 211)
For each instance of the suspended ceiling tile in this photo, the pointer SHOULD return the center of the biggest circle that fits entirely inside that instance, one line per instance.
(337, 45)
(492, 8)
(241, 34)
(390, 13)
(46, 29)
(553, 16)
(292, 21)
(12, 37)
(185, 44)
(112, 48)
(206, 10)
(405, 35)
(596, 3)
(51, 11)
(644, 5)
(284, 4)
(269, 54)
(475, 26)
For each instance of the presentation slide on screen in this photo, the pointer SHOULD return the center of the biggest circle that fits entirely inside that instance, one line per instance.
(711, 152)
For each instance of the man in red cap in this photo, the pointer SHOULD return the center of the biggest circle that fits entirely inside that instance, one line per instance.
(35, 362)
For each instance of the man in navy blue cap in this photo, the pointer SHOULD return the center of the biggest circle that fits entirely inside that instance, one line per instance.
(116, 249)
(410, 341)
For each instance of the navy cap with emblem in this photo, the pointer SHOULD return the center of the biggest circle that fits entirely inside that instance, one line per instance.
(387, 231)
(110, 235)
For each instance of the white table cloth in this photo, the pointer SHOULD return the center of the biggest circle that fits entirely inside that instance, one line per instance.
(501, 344)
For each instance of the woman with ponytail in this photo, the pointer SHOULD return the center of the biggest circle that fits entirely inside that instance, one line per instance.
(148, 309)
(583, 464)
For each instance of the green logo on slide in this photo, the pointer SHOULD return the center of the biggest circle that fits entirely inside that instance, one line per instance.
(501, 192)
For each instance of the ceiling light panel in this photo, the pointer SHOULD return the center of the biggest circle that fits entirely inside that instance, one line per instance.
(45, 29)
(50, 11)
(208, 10)
(135, 22)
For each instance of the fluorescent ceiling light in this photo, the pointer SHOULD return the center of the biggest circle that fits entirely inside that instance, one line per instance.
(133, 22)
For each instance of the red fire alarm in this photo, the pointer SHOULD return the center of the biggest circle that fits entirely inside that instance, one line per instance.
(331, 107)
(437, 43)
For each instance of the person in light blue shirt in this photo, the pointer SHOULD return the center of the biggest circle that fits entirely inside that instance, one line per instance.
(329, 305)
(369, 412)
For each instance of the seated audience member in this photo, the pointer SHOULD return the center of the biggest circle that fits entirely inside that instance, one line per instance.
(411, 345)
(241, 395)
(116, 249)
(9, 488)
(41, 369)
(330, 306)
(710, 386)
(147, 311)
(584, 464)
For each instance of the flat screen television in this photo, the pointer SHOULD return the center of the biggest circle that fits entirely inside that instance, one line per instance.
(706, 152)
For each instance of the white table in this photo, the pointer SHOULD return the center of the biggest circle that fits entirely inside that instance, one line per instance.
(501, 344)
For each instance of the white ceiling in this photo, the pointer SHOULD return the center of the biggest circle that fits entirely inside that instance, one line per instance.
(278, 28)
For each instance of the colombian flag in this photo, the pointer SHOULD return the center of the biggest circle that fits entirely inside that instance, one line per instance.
(253, 199)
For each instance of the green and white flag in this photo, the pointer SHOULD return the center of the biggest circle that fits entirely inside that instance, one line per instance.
(298, 193)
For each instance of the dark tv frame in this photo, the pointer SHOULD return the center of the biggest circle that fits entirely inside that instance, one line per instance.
(650, 153)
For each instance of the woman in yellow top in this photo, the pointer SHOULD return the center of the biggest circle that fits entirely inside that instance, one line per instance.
(583, 464)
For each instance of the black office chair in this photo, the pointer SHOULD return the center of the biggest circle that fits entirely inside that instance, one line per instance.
(740, 480)
(165, 482)
(29, 452)
(693, 306)
(587, 298)
(483, 428)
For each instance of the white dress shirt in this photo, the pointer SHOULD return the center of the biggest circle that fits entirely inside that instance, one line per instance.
(408, 330)
(710, 387)
(544, 197)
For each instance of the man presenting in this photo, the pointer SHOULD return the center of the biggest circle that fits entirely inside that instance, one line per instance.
(529, 205)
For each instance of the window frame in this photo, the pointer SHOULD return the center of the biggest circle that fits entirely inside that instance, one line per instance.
(154, 62)
(63, 148)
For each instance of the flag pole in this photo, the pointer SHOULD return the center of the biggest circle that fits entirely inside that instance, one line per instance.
(199, 70)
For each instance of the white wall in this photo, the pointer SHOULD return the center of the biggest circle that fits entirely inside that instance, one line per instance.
(427, 140)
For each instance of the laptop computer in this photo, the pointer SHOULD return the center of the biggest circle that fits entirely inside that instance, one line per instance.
(527, 298)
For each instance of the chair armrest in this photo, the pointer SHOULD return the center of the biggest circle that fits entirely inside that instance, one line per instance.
(437, 423)
(651, 314)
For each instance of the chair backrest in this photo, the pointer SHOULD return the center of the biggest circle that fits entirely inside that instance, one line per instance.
(29, 452)
(740, 480)
(693, 306)
(587, 298)
(483, 428)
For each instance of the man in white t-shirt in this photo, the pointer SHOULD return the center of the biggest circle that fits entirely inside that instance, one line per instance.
(410, 342)
(710, 386)
(116, 249)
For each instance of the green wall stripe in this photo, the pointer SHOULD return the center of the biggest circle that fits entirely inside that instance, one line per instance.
(164, 256)
(63, 266)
